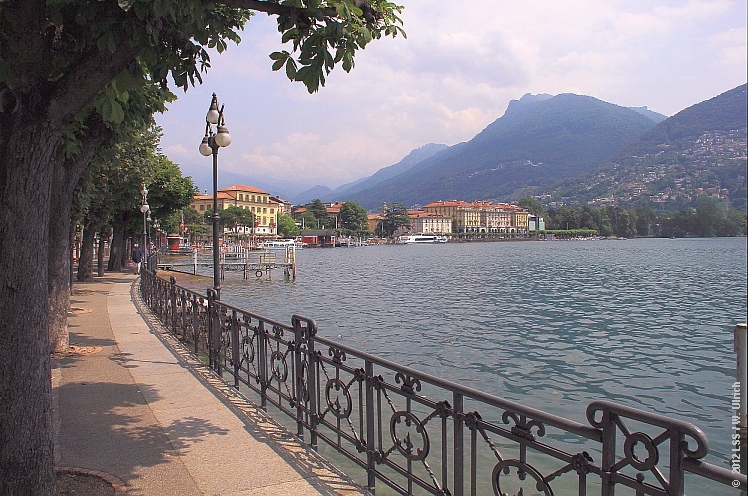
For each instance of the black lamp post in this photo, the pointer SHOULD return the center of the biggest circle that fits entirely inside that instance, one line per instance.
(146, 214)
(212, 141)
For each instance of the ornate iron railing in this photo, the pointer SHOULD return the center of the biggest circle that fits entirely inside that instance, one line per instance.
(419, 434)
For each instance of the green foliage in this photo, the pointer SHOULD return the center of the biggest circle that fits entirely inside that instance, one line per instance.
(287, 226)
(233, 217)
(319, 215)
(394, 216)
(353, 218)
(326, 32)
(532, 205)
(110, 190)
(708, 219)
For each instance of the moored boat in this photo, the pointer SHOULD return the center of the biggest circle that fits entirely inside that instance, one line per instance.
(279, 244)
(421, 238)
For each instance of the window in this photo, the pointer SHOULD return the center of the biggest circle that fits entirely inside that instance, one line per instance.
(241, 197)
(202, 207)
(253, 198)
(264, 210)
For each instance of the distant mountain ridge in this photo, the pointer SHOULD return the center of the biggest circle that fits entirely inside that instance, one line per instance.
(699, 152)
(539, 140)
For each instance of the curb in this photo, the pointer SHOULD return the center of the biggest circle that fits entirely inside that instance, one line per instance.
(119, 487)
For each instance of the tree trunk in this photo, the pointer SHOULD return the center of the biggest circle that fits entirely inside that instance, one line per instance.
(100, 258)
(117, 248)
(27, 165)
(85, 262)
(59, 267)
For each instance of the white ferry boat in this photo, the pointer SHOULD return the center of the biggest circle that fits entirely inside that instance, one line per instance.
(280, 244)
(421, 238)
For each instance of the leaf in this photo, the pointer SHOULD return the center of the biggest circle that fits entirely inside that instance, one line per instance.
(118, 115)
(278, 64)
(291, 69)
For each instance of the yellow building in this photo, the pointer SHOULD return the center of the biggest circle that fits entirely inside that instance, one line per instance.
(257, 201)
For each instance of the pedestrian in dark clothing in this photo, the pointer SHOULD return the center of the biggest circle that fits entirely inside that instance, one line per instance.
(137, 257)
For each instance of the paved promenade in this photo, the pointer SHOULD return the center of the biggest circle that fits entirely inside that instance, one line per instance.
(130, 404)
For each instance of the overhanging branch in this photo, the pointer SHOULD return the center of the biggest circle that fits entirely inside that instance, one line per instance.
(273, 8)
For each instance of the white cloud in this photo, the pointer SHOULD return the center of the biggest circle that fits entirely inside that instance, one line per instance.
(454, 74)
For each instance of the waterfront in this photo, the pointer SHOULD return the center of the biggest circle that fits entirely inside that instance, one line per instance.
(646, 323)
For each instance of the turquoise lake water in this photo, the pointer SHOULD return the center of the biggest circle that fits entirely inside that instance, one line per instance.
(553, 325)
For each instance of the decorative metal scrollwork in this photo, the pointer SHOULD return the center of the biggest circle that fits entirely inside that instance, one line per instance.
(653, 455)
(304, 393)
(580, 463)
(523, 470)
(248, 350)
(338, 355)
(522, 427)
(279, 366)
(410, 384)
(334, 390)
(404, 443)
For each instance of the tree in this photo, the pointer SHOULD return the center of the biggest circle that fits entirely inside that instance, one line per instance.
(66, 68)
(708, 219)
(319, 211)
(532, 205)
(233, 217)
(287, 226)
(395, 217)
(353, 217)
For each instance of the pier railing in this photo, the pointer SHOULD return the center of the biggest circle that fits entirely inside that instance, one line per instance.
(418, 434)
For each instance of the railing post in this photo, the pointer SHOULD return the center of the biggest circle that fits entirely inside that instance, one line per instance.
(298, 380)
(235, 360)
(609, 452)
(312, 386)
(173, 298)
(262, 363)
(195, 324)
(459, 448)
(370, 434)
(213, 329)
(304, 382)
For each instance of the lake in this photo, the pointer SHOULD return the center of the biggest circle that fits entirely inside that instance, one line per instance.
(554, 325)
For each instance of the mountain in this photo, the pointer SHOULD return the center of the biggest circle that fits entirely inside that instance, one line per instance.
(317, 192)
(539, 140)
(698, 153)
(655, 116)
(413, 158)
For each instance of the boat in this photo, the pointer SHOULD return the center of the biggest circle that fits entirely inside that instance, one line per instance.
(421, 238)
(279, 244)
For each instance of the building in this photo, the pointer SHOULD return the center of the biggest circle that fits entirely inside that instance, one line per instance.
(264, 207)
(535, 223)
(428, 222)
(373, 221)
(481, 216)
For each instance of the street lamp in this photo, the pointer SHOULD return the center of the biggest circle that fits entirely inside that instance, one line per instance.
(210, 145)
(146, 214)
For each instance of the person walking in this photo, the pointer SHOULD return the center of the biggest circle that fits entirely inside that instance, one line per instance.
(137, 257)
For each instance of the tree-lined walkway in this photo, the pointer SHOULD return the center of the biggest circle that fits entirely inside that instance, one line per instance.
(130, 403)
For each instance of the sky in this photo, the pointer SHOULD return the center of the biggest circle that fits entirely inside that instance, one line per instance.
(454, 74)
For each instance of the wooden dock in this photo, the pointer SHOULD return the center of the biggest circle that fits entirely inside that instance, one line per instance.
(249, 263)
